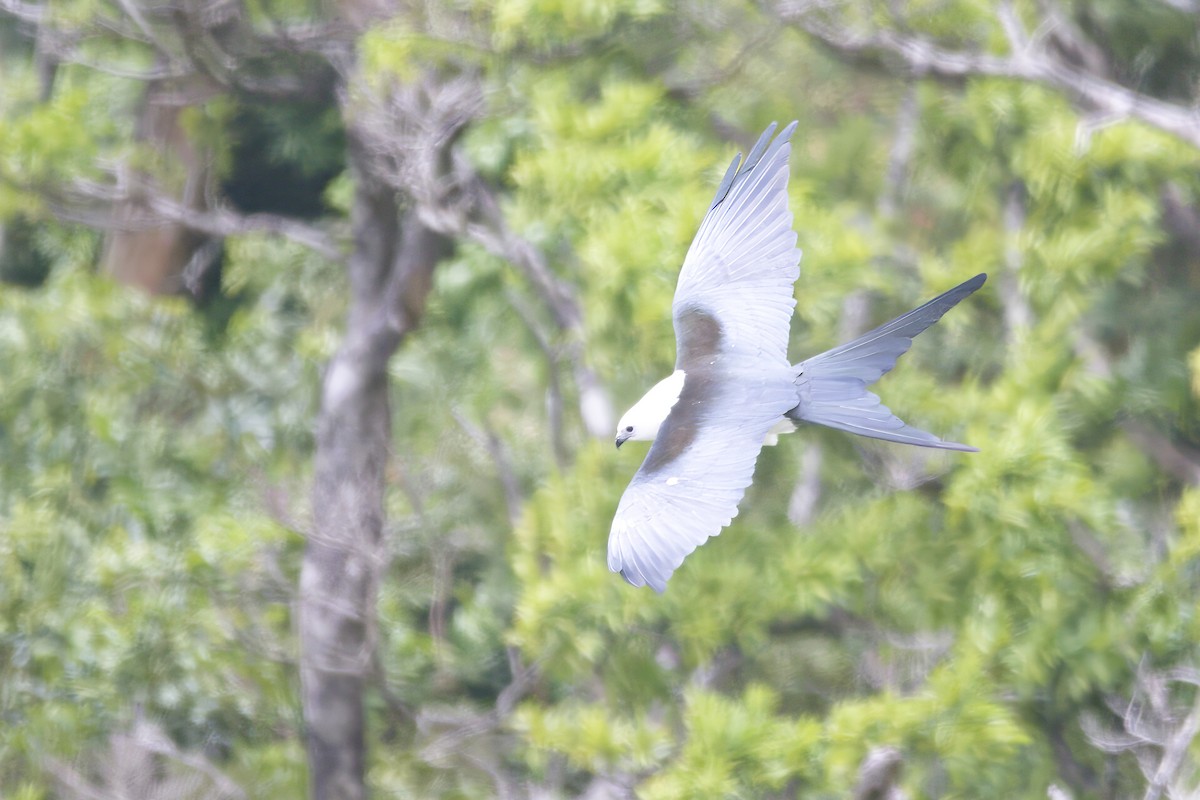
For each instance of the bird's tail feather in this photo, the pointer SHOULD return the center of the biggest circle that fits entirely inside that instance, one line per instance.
(833, 385)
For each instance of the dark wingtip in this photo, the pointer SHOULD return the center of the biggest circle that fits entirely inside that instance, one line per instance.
(740, 166)
(727, 181)
(761, 147)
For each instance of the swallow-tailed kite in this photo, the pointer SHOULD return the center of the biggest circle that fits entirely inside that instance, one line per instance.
(733, 388)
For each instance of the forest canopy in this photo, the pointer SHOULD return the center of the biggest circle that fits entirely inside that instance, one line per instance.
(316, 321)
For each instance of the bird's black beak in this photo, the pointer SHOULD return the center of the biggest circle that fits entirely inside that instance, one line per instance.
(621, 441)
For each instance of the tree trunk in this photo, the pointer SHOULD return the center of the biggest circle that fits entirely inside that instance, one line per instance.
(154, 260)
(390, 271)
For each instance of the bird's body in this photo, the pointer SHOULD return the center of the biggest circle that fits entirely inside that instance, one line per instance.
(733, 389)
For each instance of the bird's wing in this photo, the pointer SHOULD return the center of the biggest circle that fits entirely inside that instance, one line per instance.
(696, 472)
(732, 312)
(734, 296)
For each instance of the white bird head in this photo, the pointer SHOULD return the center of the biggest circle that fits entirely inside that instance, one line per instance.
(642, 421)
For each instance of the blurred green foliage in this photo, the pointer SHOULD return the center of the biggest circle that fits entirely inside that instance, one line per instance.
(969, 610)
(142, 573)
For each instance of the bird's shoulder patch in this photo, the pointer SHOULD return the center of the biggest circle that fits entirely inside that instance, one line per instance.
(699, 334)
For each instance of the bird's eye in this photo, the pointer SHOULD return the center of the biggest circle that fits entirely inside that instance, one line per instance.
(629, 429)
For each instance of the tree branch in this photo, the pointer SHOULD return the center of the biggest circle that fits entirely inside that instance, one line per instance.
(411, 154)
(1033, 62)
(390, 271)
(1018, 316)
(90, 203)
(1174, 458)
(27, 12)
(1158, 730)
(130, 770)
(879, 774)
(908, 118)
(554, 395)
(468, 726)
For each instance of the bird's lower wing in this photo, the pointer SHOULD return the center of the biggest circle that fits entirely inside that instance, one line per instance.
(694, 476)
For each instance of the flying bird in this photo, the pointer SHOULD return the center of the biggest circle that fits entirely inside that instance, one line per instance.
(734, 389)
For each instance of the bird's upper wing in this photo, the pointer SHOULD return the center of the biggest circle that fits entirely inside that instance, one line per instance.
(696, 472)
(741, 266)
(732, 311)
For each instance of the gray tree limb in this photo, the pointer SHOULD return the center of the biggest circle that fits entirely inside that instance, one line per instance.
(1159, 727)
(452, 198)
(390, 271)
(879, 774)
(1018, 316)
(90, 203)
(1031, 59)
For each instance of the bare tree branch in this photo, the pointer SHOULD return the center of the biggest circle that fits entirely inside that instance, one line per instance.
(554, 397)
(452, 198)
(131, 769)
(1018, 316)
(28, 12)
(154, 740)
(466, 726)
(1174, 458)
(879, 775)
(90, 203)
(69, 52)
(192, 38)
(1014, 31)
(226, 222)
(1158, 729)
(908, 118)
(134, 13)
(390, 274)
(1031, 61)
(802, 506)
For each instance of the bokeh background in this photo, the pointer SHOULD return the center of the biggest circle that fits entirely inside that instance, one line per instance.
(315, 321)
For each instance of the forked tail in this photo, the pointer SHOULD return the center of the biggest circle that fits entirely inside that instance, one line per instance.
(833, 385)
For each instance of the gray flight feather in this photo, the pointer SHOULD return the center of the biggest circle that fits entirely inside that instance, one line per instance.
(732, 311)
